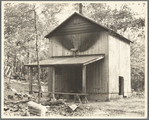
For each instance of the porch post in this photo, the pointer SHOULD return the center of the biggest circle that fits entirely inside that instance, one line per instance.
(50, 78)
(30, 79)
(84, 79)
(53, 84)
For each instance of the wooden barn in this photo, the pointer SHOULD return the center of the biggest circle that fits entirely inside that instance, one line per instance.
(87, 58)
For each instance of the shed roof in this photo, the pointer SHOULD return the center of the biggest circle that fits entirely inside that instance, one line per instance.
(79, 60)
(99, 25)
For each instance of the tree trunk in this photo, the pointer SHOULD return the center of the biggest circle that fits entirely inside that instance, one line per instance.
(36, 38)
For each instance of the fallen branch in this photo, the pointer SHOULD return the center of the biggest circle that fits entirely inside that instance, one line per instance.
(16, 102)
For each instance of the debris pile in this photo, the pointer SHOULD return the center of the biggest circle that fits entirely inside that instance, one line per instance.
(15, 102)
(20, 109)
(20, 104)
(68, 110)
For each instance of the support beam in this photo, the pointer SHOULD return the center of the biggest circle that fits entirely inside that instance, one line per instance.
(50, 78)
(53, 83)
(30, 79)
(84, 79)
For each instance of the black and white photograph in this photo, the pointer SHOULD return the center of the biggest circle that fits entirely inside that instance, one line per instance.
(74, 59)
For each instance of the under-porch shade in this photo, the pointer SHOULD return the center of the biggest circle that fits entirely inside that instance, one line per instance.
(79, 60)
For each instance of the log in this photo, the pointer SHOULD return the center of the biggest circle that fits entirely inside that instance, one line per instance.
(38, 108)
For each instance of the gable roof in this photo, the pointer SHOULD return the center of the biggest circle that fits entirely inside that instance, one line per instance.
(99, 25)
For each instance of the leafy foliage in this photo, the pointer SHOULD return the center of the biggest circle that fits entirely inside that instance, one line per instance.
(19, 32)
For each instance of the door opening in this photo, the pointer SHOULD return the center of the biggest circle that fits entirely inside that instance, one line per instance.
(121, 85)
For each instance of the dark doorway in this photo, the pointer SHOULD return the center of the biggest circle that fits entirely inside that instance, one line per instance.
(75, 77)
(121, 85)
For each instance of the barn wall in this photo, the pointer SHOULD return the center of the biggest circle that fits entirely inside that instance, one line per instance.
(76, 25)
(89, 43)
(97, 73)
(119, 65)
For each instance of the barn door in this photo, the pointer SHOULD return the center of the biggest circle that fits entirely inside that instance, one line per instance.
(121, 86)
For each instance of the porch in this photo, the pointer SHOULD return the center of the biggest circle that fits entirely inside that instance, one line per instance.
(66, 75)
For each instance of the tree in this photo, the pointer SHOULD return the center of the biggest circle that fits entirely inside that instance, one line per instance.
(19, 30)
(22, 33)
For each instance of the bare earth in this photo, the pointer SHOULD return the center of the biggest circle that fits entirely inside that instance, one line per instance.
(125, 107)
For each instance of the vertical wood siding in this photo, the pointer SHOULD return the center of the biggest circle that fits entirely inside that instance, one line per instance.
(119, 64)
(69, 80)
(90, 43)
(97, 73)
(75, 25)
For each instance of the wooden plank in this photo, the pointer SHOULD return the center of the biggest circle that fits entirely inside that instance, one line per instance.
(76, 32)
(92, 48)
(59, 48)
(51, 47)
(107, 62)
(100, 77)
(30, 79)
(65, 93)
(64, 77)
(77, 25)
(62, 82)
(73, 79)
(94, 77)
(87, 80)
(84, 79)
(56, 46)
(63, 49)
(50, 78)
(53, 83)
(98, 48)
(84, 26)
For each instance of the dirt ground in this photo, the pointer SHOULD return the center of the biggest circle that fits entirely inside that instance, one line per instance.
(125, 107)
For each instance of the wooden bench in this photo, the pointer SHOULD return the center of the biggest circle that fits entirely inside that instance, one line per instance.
(76, 95)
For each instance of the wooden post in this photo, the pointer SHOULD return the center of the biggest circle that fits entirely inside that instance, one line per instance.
(50, 78)
(30, 79)
(84, 79)
(53, 84)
